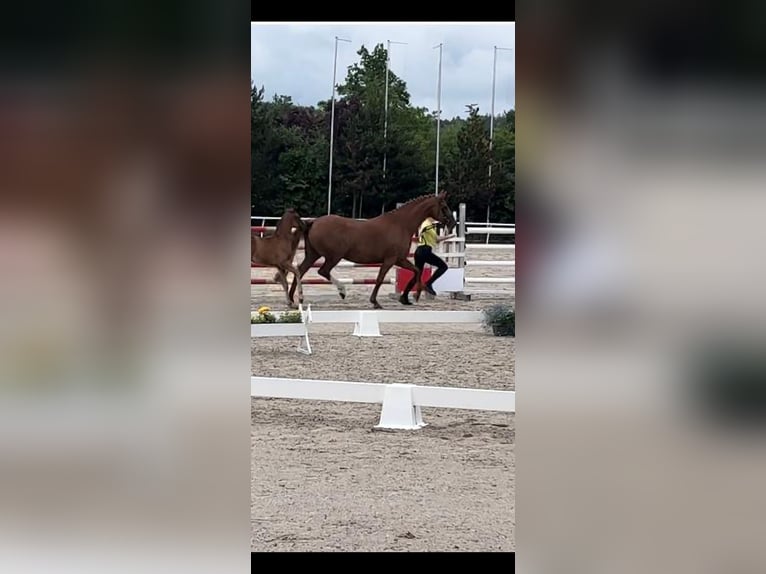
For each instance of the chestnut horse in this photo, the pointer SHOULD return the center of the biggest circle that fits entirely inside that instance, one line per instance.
(278, 250)
(385, 239)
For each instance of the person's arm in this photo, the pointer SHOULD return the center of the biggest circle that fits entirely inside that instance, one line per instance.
(450, 236)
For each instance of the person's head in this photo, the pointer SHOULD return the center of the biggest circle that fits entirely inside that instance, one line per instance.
(442, 213)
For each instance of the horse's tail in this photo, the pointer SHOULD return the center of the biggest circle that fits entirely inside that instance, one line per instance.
(306, 229)
(306, 249)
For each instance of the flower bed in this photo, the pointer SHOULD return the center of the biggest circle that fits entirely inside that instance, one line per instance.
(265, 315)
(288, 324)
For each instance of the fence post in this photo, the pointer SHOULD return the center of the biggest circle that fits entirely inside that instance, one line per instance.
(397, 292)
(461, 221)
(399, 410)
(462, 295)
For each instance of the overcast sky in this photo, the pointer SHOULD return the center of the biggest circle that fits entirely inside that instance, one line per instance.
(297, 60)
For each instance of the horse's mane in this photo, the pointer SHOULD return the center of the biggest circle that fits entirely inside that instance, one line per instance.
(417, 199)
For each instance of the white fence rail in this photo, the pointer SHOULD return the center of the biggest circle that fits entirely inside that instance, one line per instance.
(489, 224)
(468, 223)
(483, 246)
(367, 323)
(401, 402)
(490, 231)
(494, 280)
(383, 316)
(455, 251)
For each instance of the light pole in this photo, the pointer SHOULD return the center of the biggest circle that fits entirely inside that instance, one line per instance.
(438, 114)
(332, 123)
(385, 115)
(492, 119)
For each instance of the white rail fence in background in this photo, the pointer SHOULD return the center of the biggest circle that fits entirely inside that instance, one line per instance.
(454, 252)
(401, 402)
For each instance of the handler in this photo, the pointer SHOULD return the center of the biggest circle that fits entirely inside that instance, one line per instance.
(427, 240)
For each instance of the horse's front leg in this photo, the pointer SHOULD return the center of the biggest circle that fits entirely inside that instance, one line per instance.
(384, 268)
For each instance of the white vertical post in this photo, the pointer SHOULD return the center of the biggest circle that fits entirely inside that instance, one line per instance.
(491, 128)
(332, 124)
(385, 113)
(438, 117)
(492, 108)
(461, 233)
(492, 121)
(461, 221)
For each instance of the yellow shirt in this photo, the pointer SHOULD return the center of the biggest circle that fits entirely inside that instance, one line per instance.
(427, 234)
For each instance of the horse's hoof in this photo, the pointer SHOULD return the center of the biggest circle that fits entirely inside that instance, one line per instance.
(376, 305)
(342, 295)
(404, 300)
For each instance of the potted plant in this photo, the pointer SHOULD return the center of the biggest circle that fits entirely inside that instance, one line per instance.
(501, 319)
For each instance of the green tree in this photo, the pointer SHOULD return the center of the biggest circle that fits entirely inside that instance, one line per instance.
(290, 151)
(361, 143)
(302, 165)
(467, 170)
(503, 206)
(264, 153)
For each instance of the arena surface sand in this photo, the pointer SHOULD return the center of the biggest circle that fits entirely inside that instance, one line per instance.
(323, 479)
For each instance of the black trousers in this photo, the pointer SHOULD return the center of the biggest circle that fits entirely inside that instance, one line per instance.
(424, 254)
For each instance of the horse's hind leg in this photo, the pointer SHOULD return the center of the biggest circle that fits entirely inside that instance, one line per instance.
(292, 269)
(281, 276)
(308, 261)
(324, 271)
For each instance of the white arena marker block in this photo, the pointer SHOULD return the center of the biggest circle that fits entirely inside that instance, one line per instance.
(399, 411)
(367, 325)
(452, 281)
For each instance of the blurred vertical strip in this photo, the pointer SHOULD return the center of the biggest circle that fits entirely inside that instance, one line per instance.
(124, 346)
(641, 379)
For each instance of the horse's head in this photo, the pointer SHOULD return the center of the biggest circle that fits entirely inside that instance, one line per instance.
(292, 220)
(442, 212)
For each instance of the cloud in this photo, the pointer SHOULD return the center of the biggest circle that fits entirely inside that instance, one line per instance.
(297, 61)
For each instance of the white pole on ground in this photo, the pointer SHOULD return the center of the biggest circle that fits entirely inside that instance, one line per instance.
(332, 123)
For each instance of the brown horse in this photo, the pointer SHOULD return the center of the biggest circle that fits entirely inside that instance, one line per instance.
(278, 250)
(385, 239)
